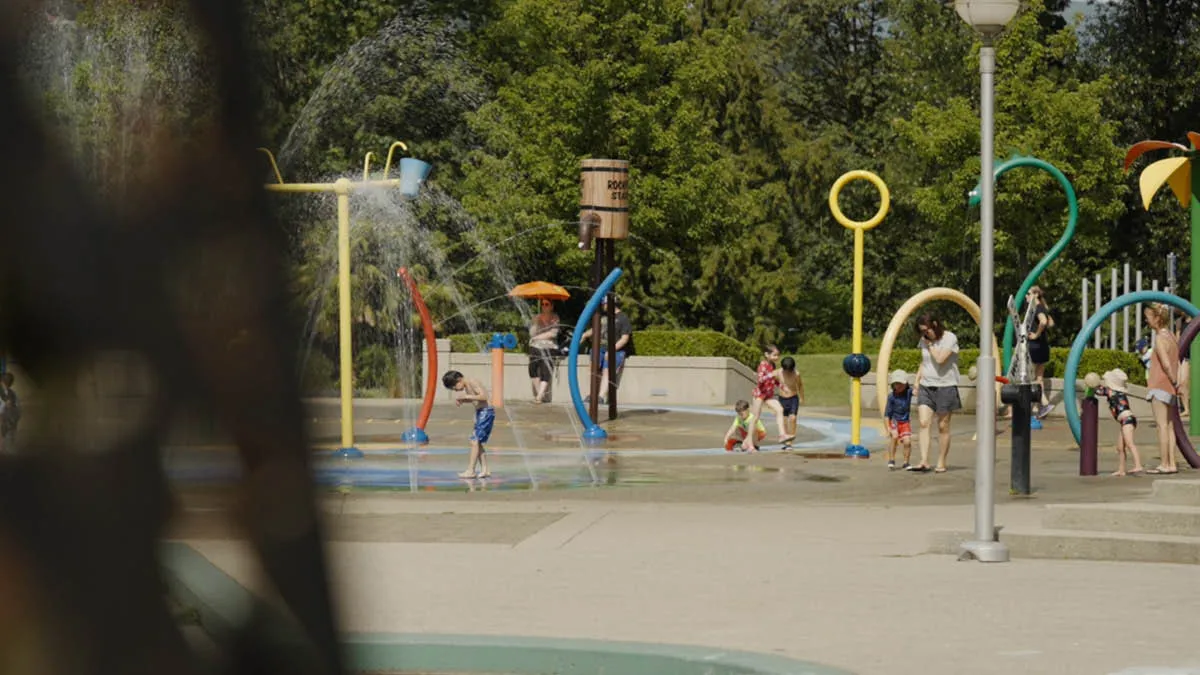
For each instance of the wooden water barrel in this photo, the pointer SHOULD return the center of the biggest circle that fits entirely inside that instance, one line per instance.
(605, 184)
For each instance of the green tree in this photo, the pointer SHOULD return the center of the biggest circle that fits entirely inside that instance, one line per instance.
(1151, 53)
(1044, 108)
(298, 42)
(676, 89)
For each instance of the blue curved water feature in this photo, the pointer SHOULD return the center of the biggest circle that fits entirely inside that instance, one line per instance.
(591, 431)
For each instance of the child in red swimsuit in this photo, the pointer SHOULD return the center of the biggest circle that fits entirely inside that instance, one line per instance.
(764, 391)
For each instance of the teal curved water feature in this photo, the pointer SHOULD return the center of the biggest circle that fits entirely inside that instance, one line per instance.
(1071, 373)
(1068, 234)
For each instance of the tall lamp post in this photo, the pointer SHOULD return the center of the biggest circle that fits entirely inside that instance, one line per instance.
(988, 18)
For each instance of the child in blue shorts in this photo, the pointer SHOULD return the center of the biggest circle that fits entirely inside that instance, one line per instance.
(471, 391)
(897, 415)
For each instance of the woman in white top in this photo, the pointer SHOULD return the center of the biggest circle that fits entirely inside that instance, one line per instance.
(936, 387)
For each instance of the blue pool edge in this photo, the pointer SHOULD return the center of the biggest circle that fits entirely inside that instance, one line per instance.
(221, 604)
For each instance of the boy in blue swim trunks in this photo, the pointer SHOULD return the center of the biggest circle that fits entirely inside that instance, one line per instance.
(790, 394)
(470, 391)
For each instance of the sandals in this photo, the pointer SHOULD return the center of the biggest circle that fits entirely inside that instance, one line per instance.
(924, 468)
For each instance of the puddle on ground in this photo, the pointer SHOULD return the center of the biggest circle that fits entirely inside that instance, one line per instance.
(437, 469)
(819, 478)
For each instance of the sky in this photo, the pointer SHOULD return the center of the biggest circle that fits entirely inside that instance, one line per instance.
(1080, 6)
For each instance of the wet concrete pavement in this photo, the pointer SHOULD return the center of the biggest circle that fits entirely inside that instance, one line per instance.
(805, 554)
(673, 455)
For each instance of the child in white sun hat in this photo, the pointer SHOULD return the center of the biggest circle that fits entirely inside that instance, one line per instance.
(896, 416)
(1114, 386)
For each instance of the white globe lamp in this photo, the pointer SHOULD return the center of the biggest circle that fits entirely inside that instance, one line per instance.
(987, 16)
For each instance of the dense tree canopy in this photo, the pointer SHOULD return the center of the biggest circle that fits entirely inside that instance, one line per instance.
(736, 115)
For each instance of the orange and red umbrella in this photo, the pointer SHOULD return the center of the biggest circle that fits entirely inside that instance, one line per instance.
(542, 290)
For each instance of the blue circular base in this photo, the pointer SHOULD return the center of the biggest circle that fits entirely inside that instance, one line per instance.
(1035, 424)
(857, 451)
(415, 435)
(348, 453)
(595, 434)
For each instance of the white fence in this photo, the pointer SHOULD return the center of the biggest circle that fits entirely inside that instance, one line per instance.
(1119, 339)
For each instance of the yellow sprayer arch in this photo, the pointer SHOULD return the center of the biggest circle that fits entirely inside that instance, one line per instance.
(906, 310)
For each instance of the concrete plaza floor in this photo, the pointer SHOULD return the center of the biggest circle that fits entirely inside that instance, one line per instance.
(799, 554)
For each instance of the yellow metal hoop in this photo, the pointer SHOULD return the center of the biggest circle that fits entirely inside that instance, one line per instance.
(885, 200)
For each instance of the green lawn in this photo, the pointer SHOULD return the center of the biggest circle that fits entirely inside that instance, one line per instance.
(825, 384)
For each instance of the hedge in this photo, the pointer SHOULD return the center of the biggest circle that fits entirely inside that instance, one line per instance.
(647, 343)
(821, 343)
(694, 343)
(477, 342)
(1093, 361)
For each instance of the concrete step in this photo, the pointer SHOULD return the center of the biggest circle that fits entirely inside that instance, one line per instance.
(1073, 545)
(1176, 491)
(1136, 518)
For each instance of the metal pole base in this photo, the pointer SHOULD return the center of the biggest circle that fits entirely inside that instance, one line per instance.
(857, 451)
(348, 453)
(984, 551)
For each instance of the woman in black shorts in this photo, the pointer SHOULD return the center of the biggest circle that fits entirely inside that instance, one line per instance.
(1039, 344)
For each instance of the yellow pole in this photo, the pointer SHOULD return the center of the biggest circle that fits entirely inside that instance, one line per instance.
(274, 166)
(342, 189)
(853, 363)
(856, 340)
(367, 166)
(388, 165)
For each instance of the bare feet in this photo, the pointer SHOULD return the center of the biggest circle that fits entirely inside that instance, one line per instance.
(467, 474)
(485, 474)
(1118, 473)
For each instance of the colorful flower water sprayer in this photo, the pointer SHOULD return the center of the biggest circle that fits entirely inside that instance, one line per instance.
(1179, 173)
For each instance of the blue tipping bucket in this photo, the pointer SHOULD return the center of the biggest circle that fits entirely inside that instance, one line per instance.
(412, 174)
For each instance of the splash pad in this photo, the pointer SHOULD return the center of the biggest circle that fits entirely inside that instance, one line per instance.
(648, 445)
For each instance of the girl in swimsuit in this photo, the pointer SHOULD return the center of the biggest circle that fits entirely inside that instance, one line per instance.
(1118, 404)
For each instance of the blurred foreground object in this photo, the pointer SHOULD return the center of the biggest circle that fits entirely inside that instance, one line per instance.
(190, 282)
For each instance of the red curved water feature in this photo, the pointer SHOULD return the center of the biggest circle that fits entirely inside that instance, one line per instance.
(430, 349)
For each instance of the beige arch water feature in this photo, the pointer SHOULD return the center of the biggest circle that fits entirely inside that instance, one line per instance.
(906, 310)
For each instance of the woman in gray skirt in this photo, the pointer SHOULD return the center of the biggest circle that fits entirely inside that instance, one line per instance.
(936, 387)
